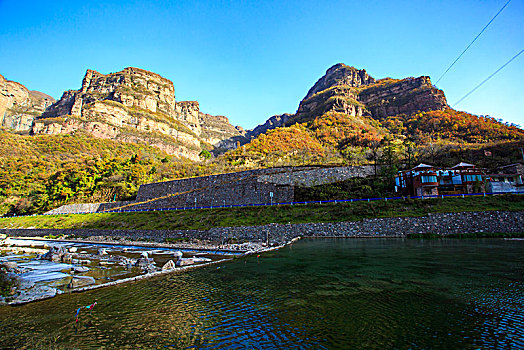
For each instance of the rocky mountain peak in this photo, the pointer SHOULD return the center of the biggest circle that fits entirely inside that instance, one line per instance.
(341, 74)
(352, 92)
(134, 105)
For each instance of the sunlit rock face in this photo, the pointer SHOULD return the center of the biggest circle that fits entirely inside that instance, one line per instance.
(353, 92)
(131, 87)
(133, 105)
(220, 133)
(19, 106)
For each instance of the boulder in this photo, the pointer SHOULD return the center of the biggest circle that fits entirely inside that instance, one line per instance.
(102, 251)
(185, 261)
(178, 254)
(54, 254)
(67, 258)
(170, 265)
(80, 281)
(34, 293)
(80, 269)
(144, 262)
(9, 265)
(73, 250)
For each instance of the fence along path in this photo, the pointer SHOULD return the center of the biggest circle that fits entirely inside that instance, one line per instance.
(120, 210)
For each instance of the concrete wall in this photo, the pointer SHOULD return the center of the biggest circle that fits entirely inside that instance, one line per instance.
(493, 186)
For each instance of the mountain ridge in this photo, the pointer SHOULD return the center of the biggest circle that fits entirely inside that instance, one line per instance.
(132, 105)
(346, 106)
(350, 112)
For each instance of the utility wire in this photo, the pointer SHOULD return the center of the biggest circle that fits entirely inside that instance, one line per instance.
(466, 49)
(488, 78)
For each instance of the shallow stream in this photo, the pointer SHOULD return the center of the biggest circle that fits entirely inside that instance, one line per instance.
(319, 293)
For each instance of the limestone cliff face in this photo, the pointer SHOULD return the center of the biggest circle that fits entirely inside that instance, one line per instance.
(218, 132)
(341, 74)
(132, 87)
(353, 92)
(276, 121)
(406, 96)
(187, 112)
(19, 106)
(131, 105)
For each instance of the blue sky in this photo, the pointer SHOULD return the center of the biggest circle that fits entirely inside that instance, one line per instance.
(249, 60)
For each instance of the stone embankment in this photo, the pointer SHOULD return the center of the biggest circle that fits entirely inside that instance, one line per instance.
(277, 234)
(250, 187)
(86, 207)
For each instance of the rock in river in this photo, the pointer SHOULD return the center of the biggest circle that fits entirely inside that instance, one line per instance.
(10, 266)
(185, 261)
(102, 251)
(54, 254)
(80, 281)
(170, 265)
(80, 269)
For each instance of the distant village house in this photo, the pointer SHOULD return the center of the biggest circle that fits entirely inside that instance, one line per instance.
(463, 178)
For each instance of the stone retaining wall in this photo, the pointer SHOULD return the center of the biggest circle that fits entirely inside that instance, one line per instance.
(260, 186)
(86, 207)
(318, 176)
(242, 188)
(443, 224)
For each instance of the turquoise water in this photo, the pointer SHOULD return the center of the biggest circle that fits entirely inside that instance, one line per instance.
(315, 294)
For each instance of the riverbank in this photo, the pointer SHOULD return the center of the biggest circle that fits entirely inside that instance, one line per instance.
(260, 237)
(207, 219)
(245, 240)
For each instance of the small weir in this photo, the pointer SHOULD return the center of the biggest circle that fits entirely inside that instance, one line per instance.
(45, 268)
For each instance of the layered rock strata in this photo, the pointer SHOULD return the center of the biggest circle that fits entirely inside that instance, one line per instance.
(19, 106)
(133, 105)
(220, 133)
(353, 92)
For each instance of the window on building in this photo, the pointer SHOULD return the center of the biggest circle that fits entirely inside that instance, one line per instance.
(426, 179)
(473, 178)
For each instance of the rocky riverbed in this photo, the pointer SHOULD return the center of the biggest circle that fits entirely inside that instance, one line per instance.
(43, 268)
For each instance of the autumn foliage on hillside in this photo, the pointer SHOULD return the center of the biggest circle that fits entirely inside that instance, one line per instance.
(43, 172)
(279, 145)
(339, 129)
(455, 125)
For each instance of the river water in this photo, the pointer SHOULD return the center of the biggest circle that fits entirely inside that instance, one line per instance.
(315, 294)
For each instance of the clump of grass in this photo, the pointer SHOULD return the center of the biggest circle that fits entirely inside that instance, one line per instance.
(54, 237)
(7, 283)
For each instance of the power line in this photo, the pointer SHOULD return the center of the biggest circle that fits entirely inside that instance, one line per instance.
(488, 78)
(466, 49)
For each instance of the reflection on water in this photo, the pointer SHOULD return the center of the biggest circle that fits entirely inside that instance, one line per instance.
(339, 293)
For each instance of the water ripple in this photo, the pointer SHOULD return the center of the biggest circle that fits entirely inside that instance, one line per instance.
(324, 294)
